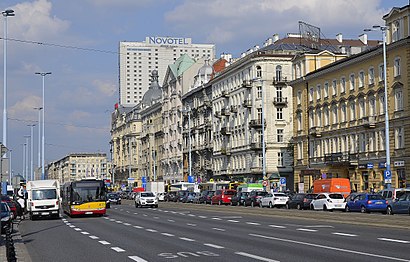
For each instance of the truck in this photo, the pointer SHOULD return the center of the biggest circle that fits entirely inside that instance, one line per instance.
(43, 198)
(332, 185)
(158, 188)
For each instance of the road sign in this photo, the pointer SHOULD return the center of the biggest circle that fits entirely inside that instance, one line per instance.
(282, 181)
(265, 183)
(387, 176)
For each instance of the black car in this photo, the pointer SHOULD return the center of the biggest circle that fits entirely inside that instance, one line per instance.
(254, 198)
(239, 198)
(6, 217)
(114, 198)
(205, 197)
(189, 197)
(170, 196)
(300, 201)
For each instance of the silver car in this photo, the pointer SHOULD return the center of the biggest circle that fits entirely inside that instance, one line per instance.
(146, 199)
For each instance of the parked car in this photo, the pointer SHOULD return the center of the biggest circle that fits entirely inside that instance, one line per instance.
(6, 217)
(300, 201)
(10, 202)
(400, 206)
(170, 196)
(254, 198)
(146, 199)
(328, 201)
(204, 197)
(366, 203)
(180, 195)
(114, 198)
(223, 196)
(208, 199)
(391, 194)
(274, 200)
(189, 197)
(160, 196)
(239, 198)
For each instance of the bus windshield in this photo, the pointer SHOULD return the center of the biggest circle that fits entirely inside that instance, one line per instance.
(87, 194)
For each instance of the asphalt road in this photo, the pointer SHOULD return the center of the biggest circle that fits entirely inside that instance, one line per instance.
(188, 232)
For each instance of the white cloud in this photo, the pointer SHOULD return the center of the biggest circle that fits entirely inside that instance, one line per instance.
(121, 3)
(24, 108)
(107, 89)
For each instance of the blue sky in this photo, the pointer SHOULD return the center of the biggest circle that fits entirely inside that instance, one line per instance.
(83, 88)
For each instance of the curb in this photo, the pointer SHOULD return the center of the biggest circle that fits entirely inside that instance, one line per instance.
(20, 249)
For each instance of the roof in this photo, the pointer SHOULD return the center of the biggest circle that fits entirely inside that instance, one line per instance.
(181, 65)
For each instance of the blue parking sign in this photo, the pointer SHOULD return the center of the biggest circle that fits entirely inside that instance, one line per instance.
(387, 174)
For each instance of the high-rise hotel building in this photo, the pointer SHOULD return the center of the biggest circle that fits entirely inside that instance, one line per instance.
(138, 59)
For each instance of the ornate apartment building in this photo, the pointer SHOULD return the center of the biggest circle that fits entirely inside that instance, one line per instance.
(78, 166)
(339, 115)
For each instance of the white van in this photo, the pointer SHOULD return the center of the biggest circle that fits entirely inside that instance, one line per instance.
(43, 198)
(391, 194)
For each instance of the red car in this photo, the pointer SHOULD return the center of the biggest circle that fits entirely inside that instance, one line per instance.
(223, 196)
(11, 204)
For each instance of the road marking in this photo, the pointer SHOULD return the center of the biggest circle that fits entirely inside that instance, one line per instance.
(167, 234)
(394, 240)
(145, 215)
(233, 221)
(255, 257)
(320, 226)
(112, 219)
(344, 234)
(138, 259)
(166, 211)
(276, 226)
(106, 217)
(104, 242)
(156, 217)
(182, 214)
(202, 217)
(187, 239)
(85, 233)
(127, 224)
(253, 223)
(119, 222)
(231, 217)
(135, 213)
(329, 247)
(192, 225)
(214, 246)
(71, 226)
(218, 229)
(307, 230)
(118, 249)
(170, 220)
(151, 230)
(127, 211)
(138, 227)
(191, 215)
(77, 229)
(216, 218)
(93, 237)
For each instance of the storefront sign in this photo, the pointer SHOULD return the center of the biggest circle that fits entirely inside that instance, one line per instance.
(398, 163)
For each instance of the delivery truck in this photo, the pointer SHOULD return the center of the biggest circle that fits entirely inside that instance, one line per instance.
(158, 188)
(332, 185)
(43, 198)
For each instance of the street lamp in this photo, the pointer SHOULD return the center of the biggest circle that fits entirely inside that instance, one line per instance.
(39, 135)
(31, 151)
(28, 177)
(42, 138)
(387, 173)
(187, 110)
(5, 14)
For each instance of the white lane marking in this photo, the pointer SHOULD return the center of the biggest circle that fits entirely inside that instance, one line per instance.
(233, 221)
(214, 246)
(173, 212)
(135, 213)
(118, 249)
(253, 223)
(216, 218)
(319, 226)
(344, 234)
(71, 226)
(306, 230)
(166, 211)
(119, 222)
(121, 209)
(187, 239)
(231, 217)
(191, 215)
(192, 225)
(85, 233)
(276, 226)
(64, 219)
(145, 215)
(77, 229)
(202, 217)
(182, 214)
(329, 247)
(104, 242)
(255, 257)
(127, 211)
(138, 227)
(112, 219)
(156, 217)
(394, 240)
(106, 218)
(93, 237)
(167, 234)
(127, 224)
(151, 230)
(136, 258)
(170, 220)
(218, 229)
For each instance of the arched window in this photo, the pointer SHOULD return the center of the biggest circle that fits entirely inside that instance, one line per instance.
(278, 73)
(258, 71)
(396, 31)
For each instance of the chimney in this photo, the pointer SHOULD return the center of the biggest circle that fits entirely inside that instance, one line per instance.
(363, 38)
(339, 37)
(255, 48)
(275, 38)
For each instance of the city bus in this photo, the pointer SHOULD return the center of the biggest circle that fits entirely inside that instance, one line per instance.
(184, 186)
(84, 197)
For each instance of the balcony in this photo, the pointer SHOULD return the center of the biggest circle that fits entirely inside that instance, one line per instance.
(225, 112)
(256, 146)
(256, 169)
(316, 131)
(226, 131)
(226, 151)
(247, 103)
(225, 94)
(280, 80)
(337, 159)
(280, 101)
(256, 123)
(234, 109)
(246, 84)
(368, 121)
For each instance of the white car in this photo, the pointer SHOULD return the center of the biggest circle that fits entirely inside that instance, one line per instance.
(328, 201)
(146, 199)
(274, 199)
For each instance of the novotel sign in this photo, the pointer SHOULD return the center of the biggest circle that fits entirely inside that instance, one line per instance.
(158, 40)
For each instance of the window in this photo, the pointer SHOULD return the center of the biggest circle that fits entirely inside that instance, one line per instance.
(381, 103)
(371, 76)
(352, 82)
(326, 89)
(300, 150)
(352, 111)
(397, 67)
(334, 87)
(399, 137)
(280, 135)
(362, 108)
(278, 73)
(258, 71)
(318, 92)
(299, 97)
(398, 100)
(381, 72)
(334, 115)
(311, 119)
(361, 79)
(299, 116)
(280, 159)
(259, 92)
(279, 113)
(279, 93)
(311, 94)
(343, 85)
(319, 118)
(372, 106)
(396, 31)
(326, 116)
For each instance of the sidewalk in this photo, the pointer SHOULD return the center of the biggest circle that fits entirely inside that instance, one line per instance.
(21, 250)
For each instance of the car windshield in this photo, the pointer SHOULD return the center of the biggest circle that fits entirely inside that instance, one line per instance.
(336, 196)
(375, 197)
(44, 194)
(147, 195)
(311, 196)
(113, 195)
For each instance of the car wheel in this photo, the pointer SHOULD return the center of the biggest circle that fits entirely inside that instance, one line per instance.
(270, 205)
(220, 202)
(347, 208)
(287, 206)
(244, 203)
(363, 209)
(324, 207)
(299, 207)
(231, 203)
(252, 204)
(312, 207)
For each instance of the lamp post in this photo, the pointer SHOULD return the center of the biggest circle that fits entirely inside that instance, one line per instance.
(187, 110)
(39, 135)
(31, 152)
(387, 172)
(24, 161)
(11, 167)
(42, 138)
(28, 177)
(5, 14)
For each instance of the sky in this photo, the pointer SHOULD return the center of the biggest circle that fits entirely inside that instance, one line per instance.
(77, 41)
